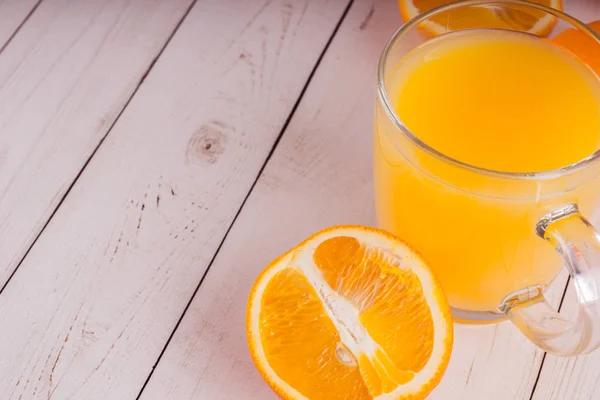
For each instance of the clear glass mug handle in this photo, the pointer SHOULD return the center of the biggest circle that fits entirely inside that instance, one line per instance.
(578, 243)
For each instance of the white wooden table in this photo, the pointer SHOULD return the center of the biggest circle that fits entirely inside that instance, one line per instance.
(155, 155)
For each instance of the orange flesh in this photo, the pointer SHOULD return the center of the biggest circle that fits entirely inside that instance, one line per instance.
(581, 45)
(300, 341)
(388, 298)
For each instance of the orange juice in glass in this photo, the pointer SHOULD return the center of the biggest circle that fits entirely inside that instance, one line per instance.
(486, 151)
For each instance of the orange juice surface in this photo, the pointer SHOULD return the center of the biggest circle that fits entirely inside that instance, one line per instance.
(497, 100)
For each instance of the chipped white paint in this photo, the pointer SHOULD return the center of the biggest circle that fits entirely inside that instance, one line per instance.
(319, 164)
(94, 302)
(64, 78)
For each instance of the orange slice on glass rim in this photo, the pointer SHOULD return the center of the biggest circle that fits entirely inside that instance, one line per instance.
(581, 45)
(351, 313)
(489, 17)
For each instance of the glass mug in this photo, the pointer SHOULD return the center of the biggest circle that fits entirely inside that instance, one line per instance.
(494, 239)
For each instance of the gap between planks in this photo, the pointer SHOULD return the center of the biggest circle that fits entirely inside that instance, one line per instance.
(8, 36)
(76, 264)
(100, 142)
(187, 364)
(266, 161)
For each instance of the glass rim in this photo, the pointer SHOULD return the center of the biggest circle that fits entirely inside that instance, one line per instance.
(383, 94)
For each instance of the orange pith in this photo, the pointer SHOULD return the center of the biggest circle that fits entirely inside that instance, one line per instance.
(308, 334)
(386, 296)
(345, 319)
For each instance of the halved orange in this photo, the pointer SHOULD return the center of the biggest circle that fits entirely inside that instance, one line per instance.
(488, 17)
(351, 313)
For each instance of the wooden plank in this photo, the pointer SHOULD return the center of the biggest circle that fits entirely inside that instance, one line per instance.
(64, 78)
(319, 164)
(494, 362)
(322, 161)
(92, 305)
(12, 14)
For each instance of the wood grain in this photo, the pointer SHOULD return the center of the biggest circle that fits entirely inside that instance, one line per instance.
(12, 14)
(94, 302)
(64, 78)
(320, 175)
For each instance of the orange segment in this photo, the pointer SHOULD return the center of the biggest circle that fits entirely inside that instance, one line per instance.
(582, 45)
(595, 25)
(386, 295)
(350, 313)
(531, 21)
(294, 323)
(370, 376)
